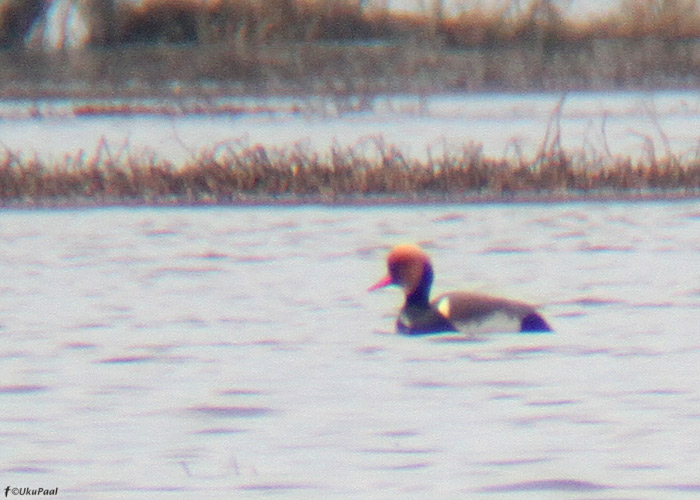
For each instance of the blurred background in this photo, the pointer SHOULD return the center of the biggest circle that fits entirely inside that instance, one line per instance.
(146, 47)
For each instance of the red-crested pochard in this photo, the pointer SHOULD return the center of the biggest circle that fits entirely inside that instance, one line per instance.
(410, 268)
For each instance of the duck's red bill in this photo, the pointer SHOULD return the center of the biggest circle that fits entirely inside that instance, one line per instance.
(381, 283)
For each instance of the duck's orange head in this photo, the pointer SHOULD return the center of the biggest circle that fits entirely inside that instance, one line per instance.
(407, 265)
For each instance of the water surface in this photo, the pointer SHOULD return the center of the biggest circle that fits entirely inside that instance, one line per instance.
(234, 352)
(600, 125)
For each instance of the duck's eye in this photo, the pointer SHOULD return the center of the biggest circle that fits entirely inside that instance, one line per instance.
(399, 272)
(396, 271)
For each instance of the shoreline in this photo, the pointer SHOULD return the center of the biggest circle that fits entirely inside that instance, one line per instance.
(356, 201)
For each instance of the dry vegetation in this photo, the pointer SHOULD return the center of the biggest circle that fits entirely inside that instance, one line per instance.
(373, 171)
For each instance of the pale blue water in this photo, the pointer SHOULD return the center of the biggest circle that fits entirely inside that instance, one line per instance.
(644, 126)
(234, 353)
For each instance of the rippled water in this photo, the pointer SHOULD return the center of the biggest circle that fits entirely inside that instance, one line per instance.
(234, 352)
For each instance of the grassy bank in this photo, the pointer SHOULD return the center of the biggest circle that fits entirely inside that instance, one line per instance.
(237, 175)
(342, 70)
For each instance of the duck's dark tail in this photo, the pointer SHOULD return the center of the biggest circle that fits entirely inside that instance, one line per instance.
(533, 322)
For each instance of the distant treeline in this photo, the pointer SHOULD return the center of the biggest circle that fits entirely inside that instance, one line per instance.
(354, 46)
(119, 22)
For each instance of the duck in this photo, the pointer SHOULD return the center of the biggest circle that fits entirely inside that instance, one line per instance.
(466, 312)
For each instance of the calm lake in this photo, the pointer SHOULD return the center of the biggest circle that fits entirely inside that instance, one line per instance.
(599, 125)
(235, 353)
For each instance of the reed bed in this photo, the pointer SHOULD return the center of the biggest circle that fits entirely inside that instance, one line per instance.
(366, 173)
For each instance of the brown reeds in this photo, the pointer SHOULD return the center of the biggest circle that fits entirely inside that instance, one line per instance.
(371, 171)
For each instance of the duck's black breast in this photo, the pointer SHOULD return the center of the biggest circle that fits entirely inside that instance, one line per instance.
(422, 320)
